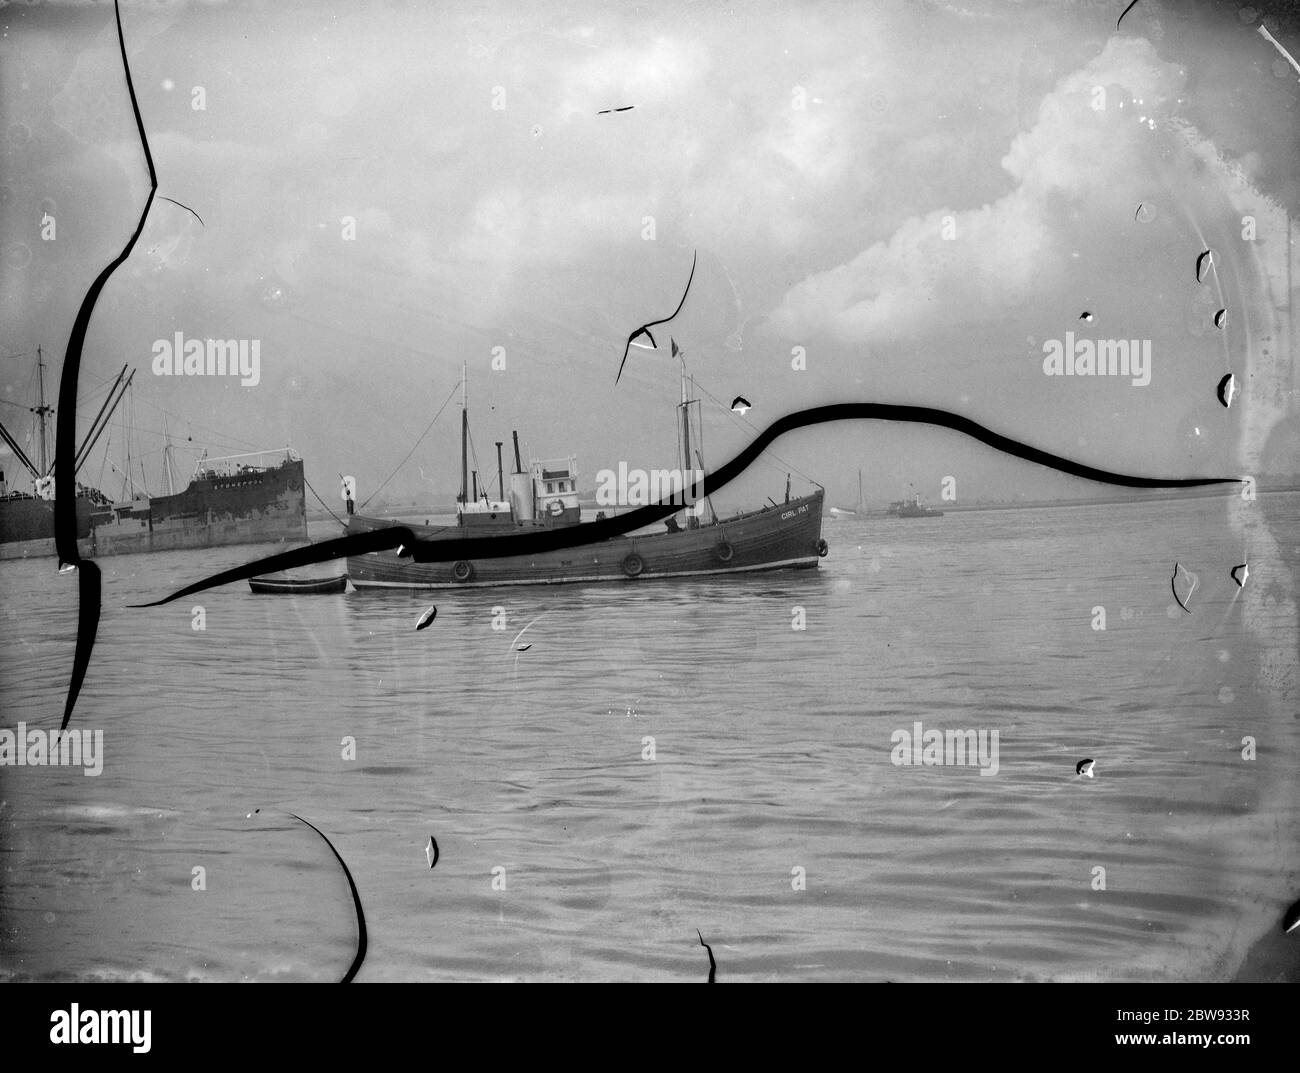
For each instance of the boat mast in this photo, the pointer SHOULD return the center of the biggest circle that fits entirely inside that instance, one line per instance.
(464, 439)
(686, 432)
(128, 489)
(686, 420)
(40, 411)
(167, 459)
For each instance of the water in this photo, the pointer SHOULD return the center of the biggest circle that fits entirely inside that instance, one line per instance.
(772, 754)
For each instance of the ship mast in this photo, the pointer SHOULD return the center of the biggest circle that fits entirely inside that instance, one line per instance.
(464, 438)
(167, 459)
(40, 412)
(692, 518)
(686, 424)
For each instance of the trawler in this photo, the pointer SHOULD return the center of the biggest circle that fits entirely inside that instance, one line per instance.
(690, 543)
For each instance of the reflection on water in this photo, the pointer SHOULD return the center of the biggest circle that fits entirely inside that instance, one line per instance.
(771, 766)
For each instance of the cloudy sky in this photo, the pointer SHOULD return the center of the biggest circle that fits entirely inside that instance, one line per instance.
(917, 195)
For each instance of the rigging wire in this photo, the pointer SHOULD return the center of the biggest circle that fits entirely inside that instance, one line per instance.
(412, 450)
(323, 503)
(749, 425)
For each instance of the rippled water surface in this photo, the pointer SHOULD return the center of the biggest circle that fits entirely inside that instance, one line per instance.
(771, 761)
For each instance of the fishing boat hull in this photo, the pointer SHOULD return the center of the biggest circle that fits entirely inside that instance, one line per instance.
(787, 536)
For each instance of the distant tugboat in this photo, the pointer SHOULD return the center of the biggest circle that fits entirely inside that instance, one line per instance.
(912, 508)
(786, 535)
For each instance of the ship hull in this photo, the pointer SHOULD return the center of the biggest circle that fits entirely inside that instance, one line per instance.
(27, 526)
(774, 538)
(258, 508)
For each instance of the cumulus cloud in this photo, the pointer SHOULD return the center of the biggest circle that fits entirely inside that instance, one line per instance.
(660, 70)
(1094, 132)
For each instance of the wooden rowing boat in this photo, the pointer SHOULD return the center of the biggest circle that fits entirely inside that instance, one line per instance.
(309, 586)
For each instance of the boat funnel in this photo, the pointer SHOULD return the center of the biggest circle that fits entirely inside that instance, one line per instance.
(521, 496)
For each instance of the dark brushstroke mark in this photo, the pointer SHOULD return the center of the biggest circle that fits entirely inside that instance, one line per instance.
(65, 484)
(1292, 919)
(1220, 318)
(1227, 388)
(645, 328)
(424, 620)
(1125, 12)
(356, 901)
(1174, 587)
(713, 965)
(431, 851)
(1245, 573)
(524, 648)
(187, 209)
(625, 108)
(741, 405)
(500, 547)
(1202, 262)
(356, 544)
(637, 335)
(88, 609)
(1084, 767)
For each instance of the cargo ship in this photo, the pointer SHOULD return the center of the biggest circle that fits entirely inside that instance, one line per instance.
(691, 543)
(27, 516)
(256, 498)
(236, 499)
